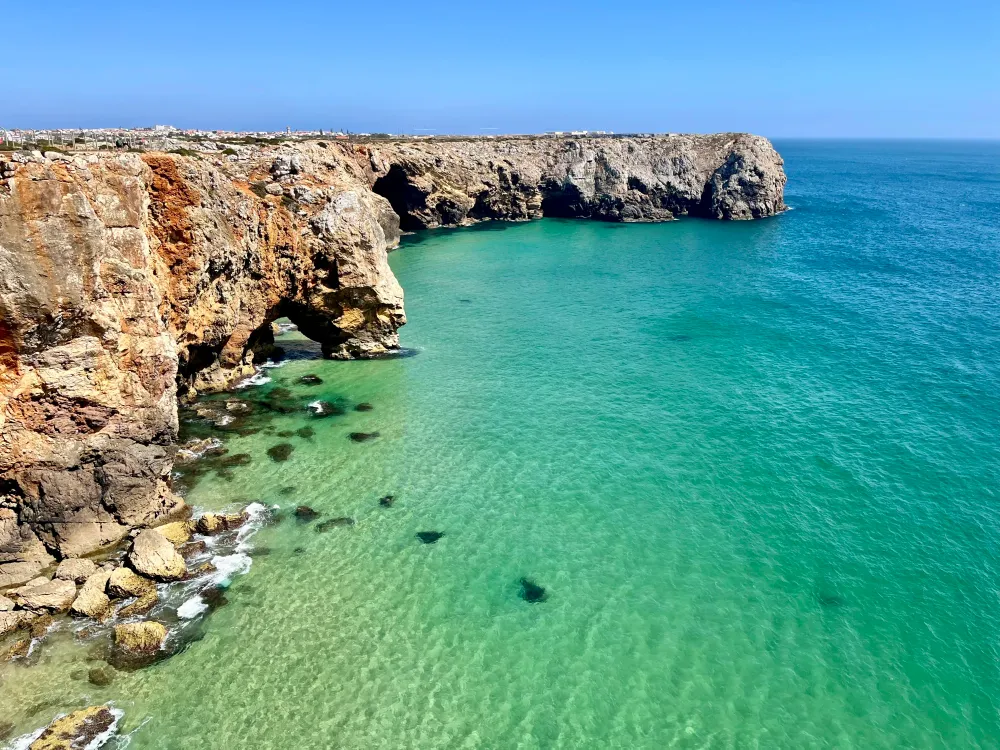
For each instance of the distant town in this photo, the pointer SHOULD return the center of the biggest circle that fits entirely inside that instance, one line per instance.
(167, 137)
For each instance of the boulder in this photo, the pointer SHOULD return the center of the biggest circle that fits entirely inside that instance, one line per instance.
(124, 582)
(76, 731)
(215, 523)
(76, 569)
(51, 596)
(140, 606)
(92, 601)
(6, 605)
(177, 533)
(140, 638)
(154, 556)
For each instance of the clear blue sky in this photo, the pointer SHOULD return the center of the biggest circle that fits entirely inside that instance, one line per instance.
(844, 68)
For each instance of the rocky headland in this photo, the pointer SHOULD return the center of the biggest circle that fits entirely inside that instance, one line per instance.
(130, 281)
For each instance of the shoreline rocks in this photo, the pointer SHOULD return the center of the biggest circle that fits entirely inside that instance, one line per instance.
(77, 730)
(154, 556)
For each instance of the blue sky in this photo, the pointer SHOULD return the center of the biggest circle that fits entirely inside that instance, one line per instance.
(846, 68)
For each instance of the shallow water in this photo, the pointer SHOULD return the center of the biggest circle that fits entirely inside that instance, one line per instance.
(754, 466)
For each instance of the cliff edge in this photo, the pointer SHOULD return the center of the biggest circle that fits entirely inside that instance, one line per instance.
(129, 280)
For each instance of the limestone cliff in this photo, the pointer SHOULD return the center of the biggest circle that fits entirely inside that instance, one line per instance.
(128, 280)
(727, 176)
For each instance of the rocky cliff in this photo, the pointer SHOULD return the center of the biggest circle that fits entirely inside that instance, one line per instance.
(129, 280)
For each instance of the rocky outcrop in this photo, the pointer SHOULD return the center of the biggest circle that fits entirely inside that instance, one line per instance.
(657, 178)
(129, 280)
(154, 556)
(92, 600)
(140, 638)
(44, 595)
(80, 729)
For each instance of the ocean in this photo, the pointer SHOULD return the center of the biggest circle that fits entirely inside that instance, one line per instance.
(697, 485)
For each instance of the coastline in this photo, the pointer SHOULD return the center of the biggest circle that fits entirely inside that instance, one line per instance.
(147, 262)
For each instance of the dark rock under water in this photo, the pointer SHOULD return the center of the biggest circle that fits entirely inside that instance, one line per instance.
(532, 592)
(363, 406)
(361, 437)
(429, 537)
(306, 514)
(280, 452)
(334, 523)
(387, 501)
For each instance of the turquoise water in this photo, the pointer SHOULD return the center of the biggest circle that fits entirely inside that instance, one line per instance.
(754, 465)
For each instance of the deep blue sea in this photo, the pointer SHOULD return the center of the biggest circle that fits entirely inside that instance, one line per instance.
(754, 466)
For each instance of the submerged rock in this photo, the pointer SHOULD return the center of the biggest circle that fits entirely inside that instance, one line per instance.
(429, 537)
(364, 406)
(289, 490)
(280, 452)
(154, 556)
(361, 437)
(285, 433)
(236, 459)
(214, 597)
(101, 676)
(191, 549)
(140, 606)
(17, 650)
(327, 409)
(305, 432)
(532, 592)
(306, 514)
(334, 523)
(77, 731)
(311, 380)
(387, 501)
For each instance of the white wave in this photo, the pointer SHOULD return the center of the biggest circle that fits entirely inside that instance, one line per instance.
(316, 406)
(228, 566)
(258, 378)
(269, 365)
(192, 608)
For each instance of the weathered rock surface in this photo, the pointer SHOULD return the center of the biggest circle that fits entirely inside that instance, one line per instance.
(154, 556)
(140, 638)
(92, 599)
(76, 731)
(127, 280)
(76, 569)
(140, 606)
(124, 583)
(215, 523)
(177, 533)
(16, 620)
(52, 596)
(724, 176)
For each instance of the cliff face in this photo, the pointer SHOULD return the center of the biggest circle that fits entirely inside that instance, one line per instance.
(727, 176)
(128, 280)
